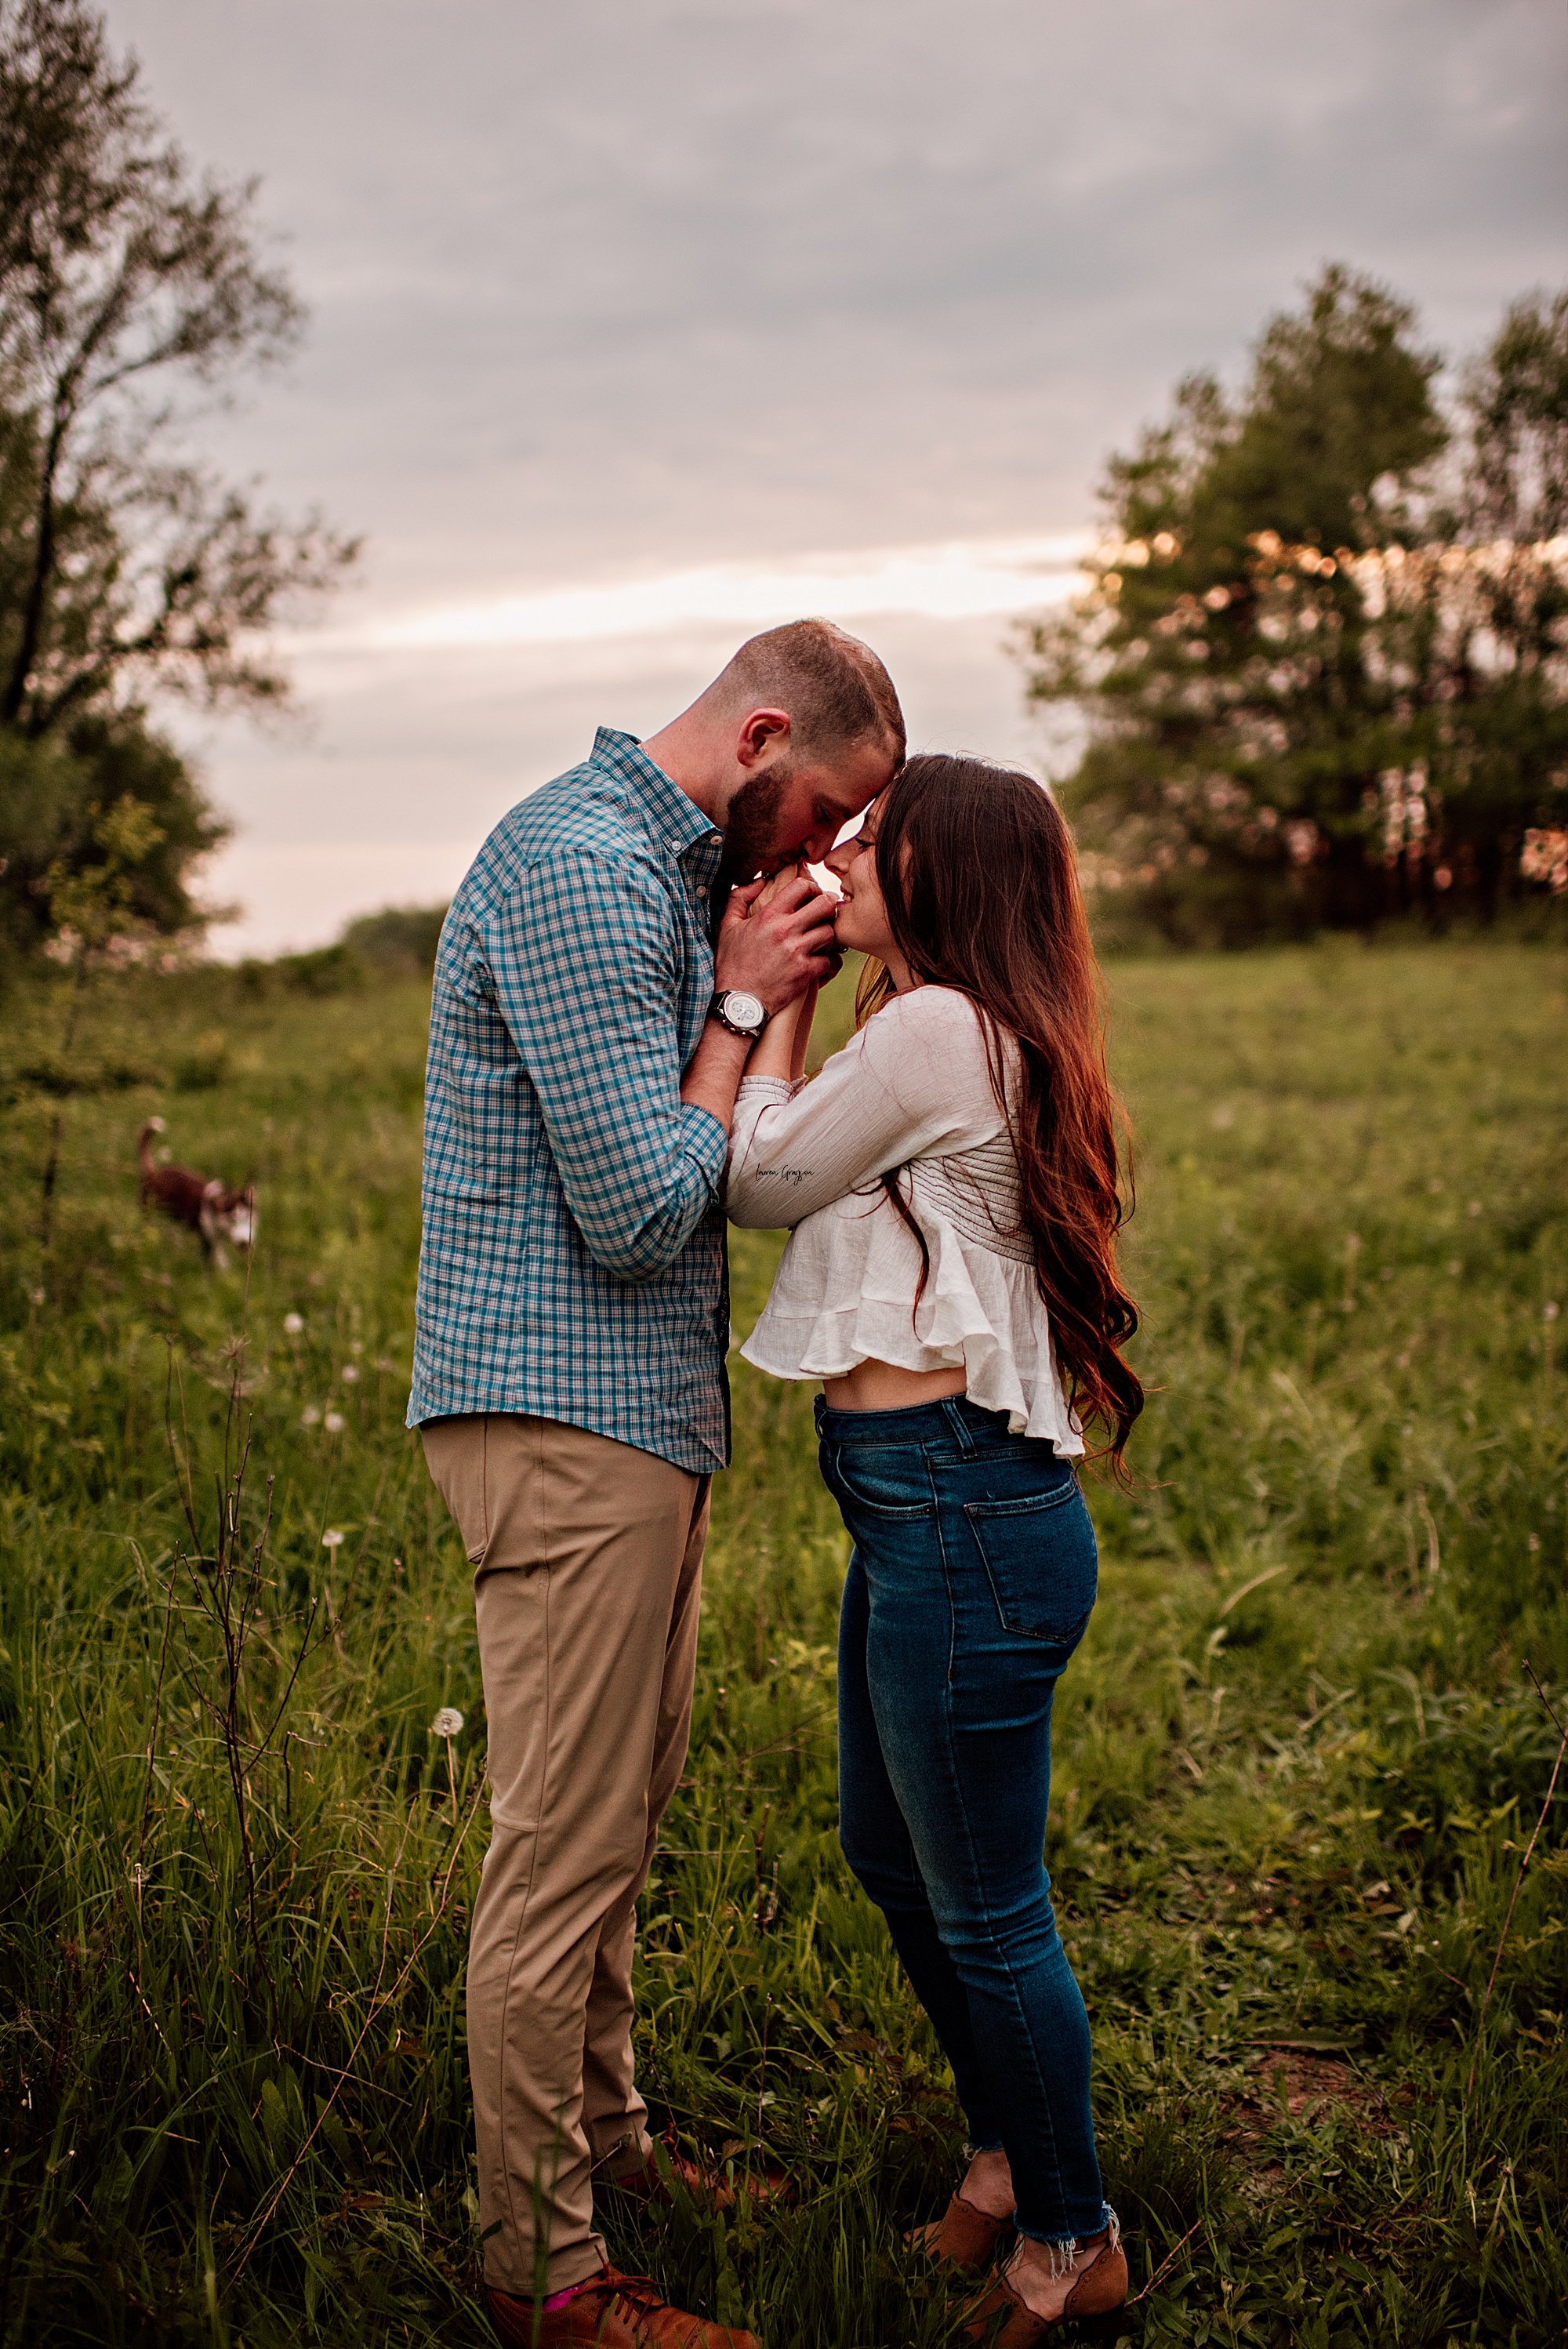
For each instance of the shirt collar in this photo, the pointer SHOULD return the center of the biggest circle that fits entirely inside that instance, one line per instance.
(671, 820)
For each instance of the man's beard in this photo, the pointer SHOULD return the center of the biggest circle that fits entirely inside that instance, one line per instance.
(749, 829)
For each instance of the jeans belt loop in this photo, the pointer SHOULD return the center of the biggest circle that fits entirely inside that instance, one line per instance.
(955, 1421)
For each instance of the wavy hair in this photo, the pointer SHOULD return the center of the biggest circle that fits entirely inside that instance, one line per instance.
(979, 876)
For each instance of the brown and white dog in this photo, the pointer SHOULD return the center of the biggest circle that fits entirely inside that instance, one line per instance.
(213, 1211)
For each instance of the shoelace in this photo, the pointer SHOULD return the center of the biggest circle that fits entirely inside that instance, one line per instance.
(633, 2294)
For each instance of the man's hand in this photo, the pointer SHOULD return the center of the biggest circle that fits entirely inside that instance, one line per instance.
(776, 939)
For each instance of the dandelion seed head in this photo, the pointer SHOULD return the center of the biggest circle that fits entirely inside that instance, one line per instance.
(310, 1416)
(293, 1323)
(331, 1539)
(448, 1723)
(350, 1374)
(1551, 1310)
(333, 1422)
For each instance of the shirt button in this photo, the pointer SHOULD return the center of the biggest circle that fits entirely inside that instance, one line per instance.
(701, 888)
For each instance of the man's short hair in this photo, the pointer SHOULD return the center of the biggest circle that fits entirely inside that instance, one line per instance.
(836, 691)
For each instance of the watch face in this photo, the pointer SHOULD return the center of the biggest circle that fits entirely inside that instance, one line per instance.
(744, 1010)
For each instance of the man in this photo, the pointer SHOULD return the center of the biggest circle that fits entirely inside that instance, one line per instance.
(587, 1037)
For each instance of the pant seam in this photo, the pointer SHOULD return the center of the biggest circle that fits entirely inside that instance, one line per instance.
(545, 1568)
(977, 1873)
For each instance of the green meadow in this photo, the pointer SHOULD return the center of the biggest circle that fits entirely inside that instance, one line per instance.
(1299, 1760)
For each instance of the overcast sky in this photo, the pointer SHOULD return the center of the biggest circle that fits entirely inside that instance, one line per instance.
(722, 310)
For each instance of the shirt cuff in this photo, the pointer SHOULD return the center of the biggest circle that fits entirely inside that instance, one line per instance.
(767, 1089)
(708, 1138)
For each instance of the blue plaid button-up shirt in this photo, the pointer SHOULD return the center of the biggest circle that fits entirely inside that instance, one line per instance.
(573, 1261)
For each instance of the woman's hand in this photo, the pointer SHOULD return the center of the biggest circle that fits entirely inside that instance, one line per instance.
(776, 938)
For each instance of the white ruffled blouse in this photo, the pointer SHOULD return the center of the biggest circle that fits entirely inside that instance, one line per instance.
(912, 1090)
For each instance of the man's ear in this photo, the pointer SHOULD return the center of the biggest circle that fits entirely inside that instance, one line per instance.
(759, 728)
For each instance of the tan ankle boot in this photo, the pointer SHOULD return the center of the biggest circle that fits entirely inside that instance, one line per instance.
(1098, 2291)
(965, 2234)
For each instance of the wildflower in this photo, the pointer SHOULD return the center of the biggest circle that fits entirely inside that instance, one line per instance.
(350, 1374)
(446, 1724)
(331, 1539)
(333, 1422)
(293, 1323)
(310, 1416)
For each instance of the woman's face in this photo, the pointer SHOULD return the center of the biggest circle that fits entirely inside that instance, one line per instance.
(861, 920)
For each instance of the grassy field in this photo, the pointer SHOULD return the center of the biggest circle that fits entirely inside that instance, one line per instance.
(1300, 1756)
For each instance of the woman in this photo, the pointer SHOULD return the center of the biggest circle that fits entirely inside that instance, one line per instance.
(953, 1184)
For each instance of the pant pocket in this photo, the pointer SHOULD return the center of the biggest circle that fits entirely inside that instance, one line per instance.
(878, 1480)
(1041, 1560)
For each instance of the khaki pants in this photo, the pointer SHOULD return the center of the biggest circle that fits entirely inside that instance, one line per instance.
(589, 1557)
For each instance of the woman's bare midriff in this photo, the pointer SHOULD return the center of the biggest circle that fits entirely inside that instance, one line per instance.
(884, 1386)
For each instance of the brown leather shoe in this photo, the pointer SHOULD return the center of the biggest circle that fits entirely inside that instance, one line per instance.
(1099, 2292)
(653, 2177)
(612, 2311)
(965, 2234)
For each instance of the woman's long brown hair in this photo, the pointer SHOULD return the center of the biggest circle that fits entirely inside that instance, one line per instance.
(980, 880)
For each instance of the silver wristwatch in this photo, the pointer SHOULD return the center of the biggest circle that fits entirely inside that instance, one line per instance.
(742, 1014)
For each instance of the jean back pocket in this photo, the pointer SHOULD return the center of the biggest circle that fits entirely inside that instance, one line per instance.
(1041, 1559)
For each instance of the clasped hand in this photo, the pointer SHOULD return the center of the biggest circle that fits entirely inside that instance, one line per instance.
(776, 938)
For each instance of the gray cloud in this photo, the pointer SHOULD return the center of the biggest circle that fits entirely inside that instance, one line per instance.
(633, 284)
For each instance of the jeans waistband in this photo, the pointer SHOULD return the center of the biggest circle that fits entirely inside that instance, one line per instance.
(955, 1419)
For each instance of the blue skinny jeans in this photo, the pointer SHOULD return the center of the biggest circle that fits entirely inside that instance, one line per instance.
(971, 1581)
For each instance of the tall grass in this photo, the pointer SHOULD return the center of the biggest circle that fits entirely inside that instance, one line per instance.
(1299, 1758)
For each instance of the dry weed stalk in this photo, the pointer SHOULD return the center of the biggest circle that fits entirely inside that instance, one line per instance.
(380, 1999)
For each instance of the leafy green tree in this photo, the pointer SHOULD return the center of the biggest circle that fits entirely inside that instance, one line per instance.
(1314, 692)
(128, 289)
(52, 793)
(1498, 756)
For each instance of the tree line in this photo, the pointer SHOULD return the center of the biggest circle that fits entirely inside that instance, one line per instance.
(1318, 671)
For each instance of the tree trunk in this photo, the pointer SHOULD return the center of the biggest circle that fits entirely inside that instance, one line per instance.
(32, 611)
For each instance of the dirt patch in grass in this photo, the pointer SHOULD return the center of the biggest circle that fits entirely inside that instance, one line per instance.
(1302, 2083)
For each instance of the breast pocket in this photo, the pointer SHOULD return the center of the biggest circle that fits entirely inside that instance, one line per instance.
(1041, 1560)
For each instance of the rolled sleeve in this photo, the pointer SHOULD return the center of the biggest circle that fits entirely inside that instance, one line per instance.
(586, 961)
